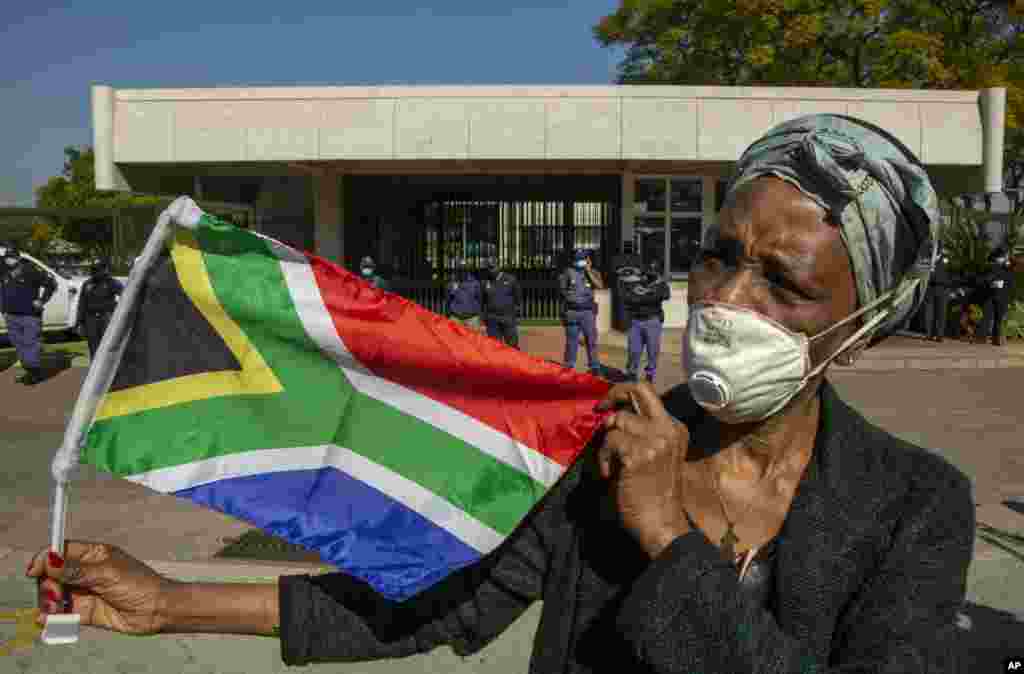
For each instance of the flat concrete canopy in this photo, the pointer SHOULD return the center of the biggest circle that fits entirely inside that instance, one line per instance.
(448, 129)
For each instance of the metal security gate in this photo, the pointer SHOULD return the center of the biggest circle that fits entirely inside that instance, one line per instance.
(423, 230)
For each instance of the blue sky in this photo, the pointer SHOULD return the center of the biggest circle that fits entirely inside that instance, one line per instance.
(51, 52)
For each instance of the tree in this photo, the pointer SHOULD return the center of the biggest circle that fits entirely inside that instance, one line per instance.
(927, 44)
(74, 188)
(746, 42)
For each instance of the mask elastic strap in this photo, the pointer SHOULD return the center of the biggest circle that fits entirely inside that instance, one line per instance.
(895, 297)
(887, 297)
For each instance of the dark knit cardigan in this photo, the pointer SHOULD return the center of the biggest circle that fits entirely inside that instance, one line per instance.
(869, 570)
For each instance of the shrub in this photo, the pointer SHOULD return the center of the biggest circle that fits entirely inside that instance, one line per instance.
(1013, 328)
(967, 249)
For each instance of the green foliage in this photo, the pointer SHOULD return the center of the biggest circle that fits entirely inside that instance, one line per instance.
(1013, 327)
(967, 249)
(1015, 235)
(953, 44)
(76, 188)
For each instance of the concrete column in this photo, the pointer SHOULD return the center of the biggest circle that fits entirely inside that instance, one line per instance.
(108, 176)
(628, 195)
(328, 197)
(993, 124)
(604, 310)
(708, 198)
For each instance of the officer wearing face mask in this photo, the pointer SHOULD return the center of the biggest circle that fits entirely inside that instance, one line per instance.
(644, 293)
(99, 299)
(502, 298)
(996, 290)
(936, 302)
(579, 310)
(464, 301)
(25, 290)
(367, 269)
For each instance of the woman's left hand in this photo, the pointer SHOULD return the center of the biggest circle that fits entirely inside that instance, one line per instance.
(642, 456)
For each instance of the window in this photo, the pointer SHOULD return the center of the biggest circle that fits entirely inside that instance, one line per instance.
(687, 195)
(650, 237)
(669, 220)
(650, 195)
(684, 243)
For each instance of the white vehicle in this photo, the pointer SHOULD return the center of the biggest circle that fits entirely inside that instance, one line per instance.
(61, 313)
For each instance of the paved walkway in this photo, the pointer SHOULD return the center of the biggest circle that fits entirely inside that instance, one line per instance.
(961, 400)
(899, 352)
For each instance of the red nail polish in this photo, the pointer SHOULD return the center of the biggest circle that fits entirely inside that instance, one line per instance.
(56, 561)
(52, 595)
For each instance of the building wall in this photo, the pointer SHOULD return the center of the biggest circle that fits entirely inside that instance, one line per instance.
(623, 123)
(322, 137)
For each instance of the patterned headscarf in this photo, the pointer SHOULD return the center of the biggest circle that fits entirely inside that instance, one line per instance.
(872, 187)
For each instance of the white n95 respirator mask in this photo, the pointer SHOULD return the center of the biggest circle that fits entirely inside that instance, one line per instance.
(743, 366)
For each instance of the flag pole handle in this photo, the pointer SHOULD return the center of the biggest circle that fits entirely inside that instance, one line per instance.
(60, 506)
(101, 371)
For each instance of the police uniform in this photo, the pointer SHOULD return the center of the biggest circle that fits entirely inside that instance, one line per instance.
(99, 299)
(367, 270)
(502, 298)
(20, 286)
(643, 296)
(995, 293)
(936, 303)
(579, 314)
(465, 301)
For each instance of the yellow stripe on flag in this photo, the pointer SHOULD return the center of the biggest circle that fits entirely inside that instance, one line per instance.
(254, 378)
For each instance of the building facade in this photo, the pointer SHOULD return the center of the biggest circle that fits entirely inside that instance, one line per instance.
(430, 179)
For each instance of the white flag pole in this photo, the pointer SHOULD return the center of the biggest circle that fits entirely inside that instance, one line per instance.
(63, 628)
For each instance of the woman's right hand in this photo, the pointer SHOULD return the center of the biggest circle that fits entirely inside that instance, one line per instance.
(106, 586)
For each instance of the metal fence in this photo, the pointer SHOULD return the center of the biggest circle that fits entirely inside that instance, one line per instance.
(422, 232)
(540, 298)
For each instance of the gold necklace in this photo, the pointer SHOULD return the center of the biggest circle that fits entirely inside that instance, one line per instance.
(727, 543)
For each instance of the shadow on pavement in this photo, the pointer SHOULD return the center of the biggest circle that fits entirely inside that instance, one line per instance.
(990, 636)
(54, 362)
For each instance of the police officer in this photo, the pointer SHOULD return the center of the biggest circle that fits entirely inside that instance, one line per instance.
(99, 299)
(941, 287)
(465, 300)
(502, 298)
(643, 295)
(996, 291)
(576, 285)
(25, 289)
(368, 270)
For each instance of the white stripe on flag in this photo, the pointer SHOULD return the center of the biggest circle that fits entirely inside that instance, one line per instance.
(456, 521)
(319, 325)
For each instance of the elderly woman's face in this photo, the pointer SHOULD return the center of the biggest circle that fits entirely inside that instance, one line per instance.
(776, 254)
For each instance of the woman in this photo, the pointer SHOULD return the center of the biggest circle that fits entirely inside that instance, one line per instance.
(747, 522)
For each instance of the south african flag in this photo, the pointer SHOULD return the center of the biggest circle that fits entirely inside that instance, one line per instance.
(276, 387)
